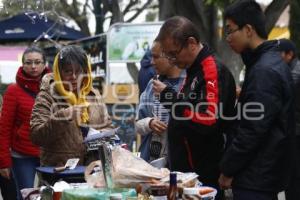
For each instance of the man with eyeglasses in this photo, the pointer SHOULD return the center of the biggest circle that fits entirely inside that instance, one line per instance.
(257, 163)
(197, 123)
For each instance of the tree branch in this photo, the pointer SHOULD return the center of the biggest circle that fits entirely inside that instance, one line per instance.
(139, 10)
(200, 11)
(86, 5)
(108, 17)
(91, 9)
(116, 11)
(273, 12)
(75, 7)
(129, 6)
(79, 18)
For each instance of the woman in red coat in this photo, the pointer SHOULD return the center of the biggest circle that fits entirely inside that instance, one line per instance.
(18, 154)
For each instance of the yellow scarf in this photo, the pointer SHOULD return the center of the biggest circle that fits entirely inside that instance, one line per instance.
(70, 96)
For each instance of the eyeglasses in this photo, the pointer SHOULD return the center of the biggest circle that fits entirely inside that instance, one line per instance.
(71, 72)
(154, 56)
(35, 62)
(229, 32)
(172, 55)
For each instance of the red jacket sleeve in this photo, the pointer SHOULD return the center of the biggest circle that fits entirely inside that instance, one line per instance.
(7, 122)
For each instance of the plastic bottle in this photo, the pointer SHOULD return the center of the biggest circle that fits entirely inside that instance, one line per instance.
(172, 193)
(159, 192)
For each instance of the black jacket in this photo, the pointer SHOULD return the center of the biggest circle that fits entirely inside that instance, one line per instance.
(259, 157)
(295, 69)
(195, 129)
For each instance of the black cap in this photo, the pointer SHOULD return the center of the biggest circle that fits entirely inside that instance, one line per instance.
(287, 45)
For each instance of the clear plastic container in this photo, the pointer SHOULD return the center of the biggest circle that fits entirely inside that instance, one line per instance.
(191, 194)
(203, 193)
(115, 196)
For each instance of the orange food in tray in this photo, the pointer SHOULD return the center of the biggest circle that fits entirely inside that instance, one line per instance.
(204, 191)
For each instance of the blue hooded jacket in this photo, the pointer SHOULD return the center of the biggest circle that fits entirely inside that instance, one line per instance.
(146, 72)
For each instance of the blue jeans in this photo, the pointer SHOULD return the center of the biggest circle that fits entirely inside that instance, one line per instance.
(23, 170)
(245, 194)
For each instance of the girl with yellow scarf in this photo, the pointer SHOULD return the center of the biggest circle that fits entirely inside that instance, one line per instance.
(67, 101)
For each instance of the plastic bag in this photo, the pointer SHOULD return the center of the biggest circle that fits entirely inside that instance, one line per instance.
(128, 170)
(94, 175)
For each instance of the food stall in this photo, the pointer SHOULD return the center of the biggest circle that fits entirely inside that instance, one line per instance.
(116, 172)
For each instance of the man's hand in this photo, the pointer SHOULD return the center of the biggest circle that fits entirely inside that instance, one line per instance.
(5, 172)
(158, 86)
(225, 182)
(158, 126)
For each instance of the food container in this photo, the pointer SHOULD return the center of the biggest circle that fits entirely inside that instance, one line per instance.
(203, 193)
(191, 194)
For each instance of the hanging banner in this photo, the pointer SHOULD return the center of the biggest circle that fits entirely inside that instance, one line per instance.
(129, 42)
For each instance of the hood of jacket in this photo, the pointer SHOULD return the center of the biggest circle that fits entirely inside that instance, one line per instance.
(146, 60)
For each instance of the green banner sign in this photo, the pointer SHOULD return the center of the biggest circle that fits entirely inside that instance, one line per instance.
(129, 42)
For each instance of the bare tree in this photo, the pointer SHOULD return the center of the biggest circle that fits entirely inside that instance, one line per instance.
(79, 10)
(111, 8)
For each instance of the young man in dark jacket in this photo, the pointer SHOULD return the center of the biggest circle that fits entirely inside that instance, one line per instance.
(289, 55)
(207, 95)
(257, 162)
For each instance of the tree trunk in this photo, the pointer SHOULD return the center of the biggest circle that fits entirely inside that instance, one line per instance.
(83, 25)
(117, 13)
(166, 9)
(133, 71)
(273, 12)
(99, 16)
(294, 23)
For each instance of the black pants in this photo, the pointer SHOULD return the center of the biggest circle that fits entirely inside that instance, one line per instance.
(244, 194)
(8, 188)
(293, 190)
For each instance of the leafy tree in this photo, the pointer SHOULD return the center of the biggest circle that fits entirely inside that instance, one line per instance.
(79, 10)
(206, 14)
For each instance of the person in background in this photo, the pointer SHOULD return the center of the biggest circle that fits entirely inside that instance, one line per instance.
(257, 164)
(18, 154)
(146, 72)
(196, 127)
(289, 55)
(153, 116)
(7, 186)
(66, 102)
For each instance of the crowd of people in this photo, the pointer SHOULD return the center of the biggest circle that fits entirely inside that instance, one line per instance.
(189, 113)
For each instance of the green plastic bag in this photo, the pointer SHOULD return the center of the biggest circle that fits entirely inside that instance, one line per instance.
(96, 194)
